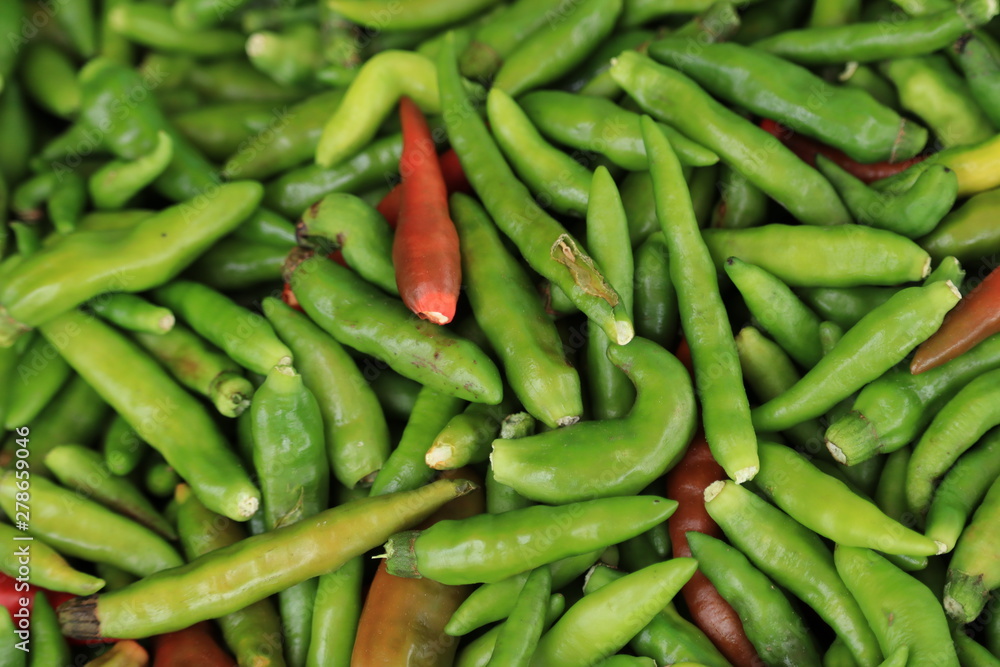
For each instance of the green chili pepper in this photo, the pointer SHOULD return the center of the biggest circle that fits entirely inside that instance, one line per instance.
(12, 655)
(335, 298)
(974, 165)
(656, 314)
(515, 321)
(647, 442)
(83, 470)
(468, 437)
(867, 79)
(41, 373)
(288, 140)
(243, 335)
(543, 242)
(778, 310)
(808, 256)
(357, 437)
(716, 365)
(386, 15)
(162, 413)
(236, 80)
(593, 124)
(968, 233)
(519, 540)
(290, 56)
(48, 645)
(960, 423)
(219, 130)
(114, 184)
(845, 306)
(770, 372)
(230, 578)
(772, 87)
(980, 63)
(81, 528)
(912, 213)
(893, 410)
(152, 25)
(591, 77)
(11, 15)
(795, 558)
(233, 264)
(122, 447)
(791, 482)
(296, 190)
(338, 606)
(267, 228)
(159, 476)
(133, 313)
(559, 181)
(494, 602)
(373, 94)
(603, 621)
(676, 100)
(501, 498)
(156, 249)
(741, 203)
(406, 468)
(868, 42)
(197, 15)
(344, 222)
(949, 269)
(47, 568)
(254, 632)
(830, 334)
(901, 611)
(930, 89)
(880, 340)
(963, 489)
(969, 651)
(519, 634)
(494, 40)
(776, 630)
(477, 653)
(611, 391)
(290, 459)
(49, 77)
(17, 132)
(558, 46)
(105, 220)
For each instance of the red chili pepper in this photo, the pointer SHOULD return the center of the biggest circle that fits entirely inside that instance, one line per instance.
(425, 248)
(686, 483)
(454, 179)
(191, 646)
(807, 149)
(973, 320)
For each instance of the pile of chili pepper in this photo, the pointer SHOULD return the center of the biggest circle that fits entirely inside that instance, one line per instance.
(507, 333)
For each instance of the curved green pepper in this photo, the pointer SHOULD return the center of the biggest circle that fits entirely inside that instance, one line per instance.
(628, 453)
(233, 264)
(133, 313)
(968, 233)
(152, 25)
(115, 183)
(48, 569)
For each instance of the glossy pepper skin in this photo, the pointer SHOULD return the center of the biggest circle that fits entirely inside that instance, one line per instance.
(643, 444)
(772, 87)
(48, 569)
(355, 430)
(56, 279)
(517, 540)
(673, 98)
(545, 244)
(962, 490)
(686, 483)
(972, 571)
(233, 577)
(968, 232)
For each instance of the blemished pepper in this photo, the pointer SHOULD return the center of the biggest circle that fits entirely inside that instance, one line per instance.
(673, 98)
(965, 418)
(963, 489)
(593, 124)
(359, 315)
(163, 414)
(513, 542)
(603, 622)
(767, 85)
(792, 482)
(156, 249)
(513, 318)
(545, 244)
(901, 610)
(725, 408)
(84, 471)
(230, 578)
(81, 528)
(870, 348)
(771, 623)
(254, 632)
(630, 452)
(868, 42)
(795, 558)
(345, 222)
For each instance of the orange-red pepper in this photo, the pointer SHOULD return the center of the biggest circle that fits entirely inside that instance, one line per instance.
(191, 646)
(973, 320)
(454, 179)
